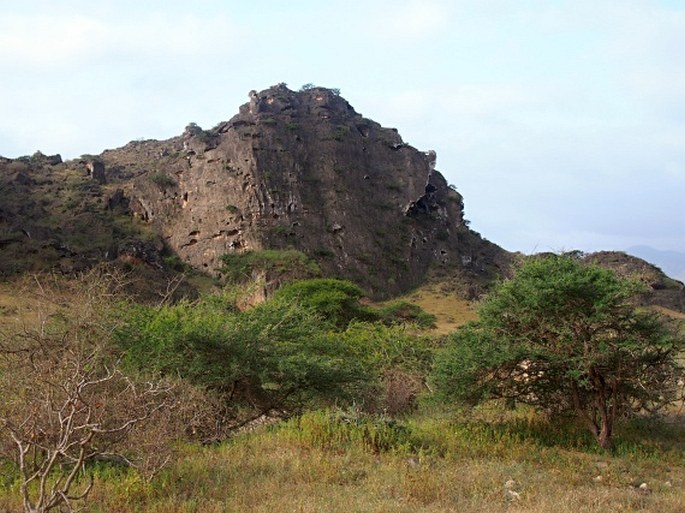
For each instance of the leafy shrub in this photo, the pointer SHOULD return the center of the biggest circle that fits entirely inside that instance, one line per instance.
(340, 132)
(276, 356)
(162, 180)
(346, 429)
(397, 361)
(398, 312)
(206, 136)
(173, 261)
(335, 300)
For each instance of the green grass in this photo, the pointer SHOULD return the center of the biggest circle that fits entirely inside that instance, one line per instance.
(162, 180)
(434, 460)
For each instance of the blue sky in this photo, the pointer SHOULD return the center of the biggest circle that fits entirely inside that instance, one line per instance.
(561, 122)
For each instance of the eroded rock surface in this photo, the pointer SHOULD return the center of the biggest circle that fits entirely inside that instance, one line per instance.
(305, 170)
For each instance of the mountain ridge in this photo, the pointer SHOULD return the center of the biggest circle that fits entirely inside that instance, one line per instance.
(295, 170)
(305, 170)
(671, 262)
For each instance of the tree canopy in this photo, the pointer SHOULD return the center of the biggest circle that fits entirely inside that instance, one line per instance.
(275, 356)
(565, 336)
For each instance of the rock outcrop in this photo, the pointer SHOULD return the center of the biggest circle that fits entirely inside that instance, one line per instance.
(305, 170)
(299, 170)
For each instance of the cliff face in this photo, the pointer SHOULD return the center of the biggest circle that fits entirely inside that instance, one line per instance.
(304, 170)
(298, 170)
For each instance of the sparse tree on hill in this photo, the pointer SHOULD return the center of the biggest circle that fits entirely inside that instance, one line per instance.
(565, 336)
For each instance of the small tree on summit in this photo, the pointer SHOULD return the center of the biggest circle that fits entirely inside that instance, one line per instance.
(564, 336)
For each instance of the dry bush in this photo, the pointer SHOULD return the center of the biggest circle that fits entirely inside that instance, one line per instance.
(400, 391)
(192, 414)
(65, 400)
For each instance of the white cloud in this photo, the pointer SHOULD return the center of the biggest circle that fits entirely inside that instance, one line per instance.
(557, 120)
(42, 41)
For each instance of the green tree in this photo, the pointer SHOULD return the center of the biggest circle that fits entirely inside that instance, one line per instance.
(336, 301)
(404, 312)
(564, 336)
(277, 356)
(276, 264)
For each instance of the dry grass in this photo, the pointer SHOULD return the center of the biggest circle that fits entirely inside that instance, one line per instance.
(450, 310)
(279, 469)
(494, 461)
(668, 312)
(16, 301)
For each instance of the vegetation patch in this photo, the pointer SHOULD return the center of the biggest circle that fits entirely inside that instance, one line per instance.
(277, 264)
(162, 180)
(565, 336)
(398, 312)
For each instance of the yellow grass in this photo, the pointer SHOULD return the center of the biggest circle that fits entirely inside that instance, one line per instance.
(450, 310)
(670, 313)
(273, 471)
(14, 302)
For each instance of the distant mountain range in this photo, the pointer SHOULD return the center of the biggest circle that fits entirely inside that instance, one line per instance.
(671, 262)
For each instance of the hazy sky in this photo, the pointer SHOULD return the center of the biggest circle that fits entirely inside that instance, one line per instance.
(561, 122)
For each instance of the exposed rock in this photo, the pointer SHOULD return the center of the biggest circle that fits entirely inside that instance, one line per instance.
(22, 179)
(53, 160)
(296, 170)
(304, 170)
(118, 202)
(96, 170)
(138, 252)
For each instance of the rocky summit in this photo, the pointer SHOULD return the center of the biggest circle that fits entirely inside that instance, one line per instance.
(295, 170)
(304, 170)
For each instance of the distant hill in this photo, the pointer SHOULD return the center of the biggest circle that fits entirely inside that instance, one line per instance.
(661, 289)
(671, 262)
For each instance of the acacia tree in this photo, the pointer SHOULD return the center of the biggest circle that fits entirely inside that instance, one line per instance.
(273, 359)
(565, 336)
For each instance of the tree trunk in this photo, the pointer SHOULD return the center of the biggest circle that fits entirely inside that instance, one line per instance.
(602, 400)
(602, 427)
(605, 438)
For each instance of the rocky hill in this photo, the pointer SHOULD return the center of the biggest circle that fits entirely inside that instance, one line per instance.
(298, 170)
(291, 170)
(303, 170)
(660, 289)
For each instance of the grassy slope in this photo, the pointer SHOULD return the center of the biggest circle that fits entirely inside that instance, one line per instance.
(452, 462)
(450, 310)
(15, 302)
(463, 466)
(670, 313)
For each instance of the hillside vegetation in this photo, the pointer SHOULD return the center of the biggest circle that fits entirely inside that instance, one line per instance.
(310, 401)
(290, 312)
